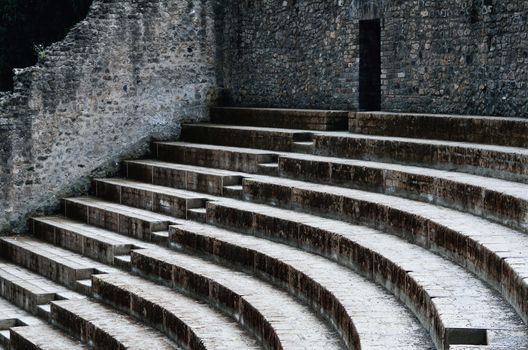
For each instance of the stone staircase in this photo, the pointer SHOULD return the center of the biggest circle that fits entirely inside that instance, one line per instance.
(287, 229)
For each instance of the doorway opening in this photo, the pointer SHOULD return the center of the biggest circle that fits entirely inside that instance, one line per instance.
(370, 65)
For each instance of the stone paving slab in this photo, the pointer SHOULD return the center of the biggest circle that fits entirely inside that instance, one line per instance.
(455, 296)
(368, 306)
(192, 324)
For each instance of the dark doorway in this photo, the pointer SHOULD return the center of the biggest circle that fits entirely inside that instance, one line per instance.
(370, 65)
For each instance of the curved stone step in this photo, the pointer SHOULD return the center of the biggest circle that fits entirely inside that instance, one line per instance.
(140, 195)
(478, 129)
(28, 290)
(310, 119)
(272, 139)
(138, 223)
(84, 239)
(190, 323)
(104, 328)
(492, 251)
(57, 264)
(273, 316)
(451, 302)
(342, 296)
(262, 317)
(229, 158)
(509, 163)
(502, 162)
(191, 178)
(42, 337)
(13, 316)
(498, 200)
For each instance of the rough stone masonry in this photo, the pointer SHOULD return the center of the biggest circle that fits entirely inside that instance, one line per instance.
(460, 56)
(133, 70)
(130, 72)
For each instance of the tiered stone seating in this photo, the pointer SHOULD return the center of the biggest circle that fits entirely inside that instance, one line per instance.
(280, 229)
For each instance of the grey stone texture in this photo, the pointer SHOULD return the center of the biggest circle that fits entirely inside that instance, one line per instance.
(463, 56)
(129, 72)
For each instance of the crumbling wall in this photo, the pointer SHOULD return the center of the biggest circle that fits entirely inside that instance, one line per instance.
(131, 71)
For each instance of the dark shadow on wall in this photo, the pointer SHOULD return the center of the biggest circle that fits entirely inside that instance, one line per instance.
(27, 26)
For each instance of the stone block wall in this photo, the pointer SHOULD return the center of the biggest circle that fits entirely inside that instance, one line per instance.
(131, 71)
(461, 56)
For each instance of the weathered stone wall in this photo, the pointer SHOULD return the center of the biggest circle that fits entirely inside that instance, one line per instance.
(131, 71)
(463, 56)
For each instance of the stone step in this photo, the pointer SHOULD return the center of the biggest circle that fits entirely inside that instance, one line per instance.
(191, 324)
(478, 129)
(234, 191)
(90, 241)
(493, 252)
(229, 158)
(451, 303)
(30, 291)
(56, 264)
(140, 195)
(13, 316)
(42, 337)
(273, 139)
(498, 200)
(502, 201)
(187, 177)
(352, 304)
(507, 163)
(502, 162)
(133, 222)
(309, 119)
(104, 328)
(277, 319)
